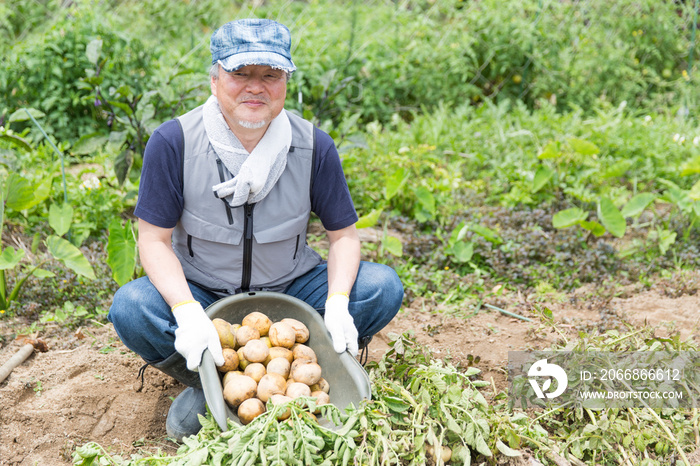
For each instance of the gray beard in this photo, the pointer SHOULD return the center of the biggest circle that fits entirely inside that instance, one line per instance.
(252, 124)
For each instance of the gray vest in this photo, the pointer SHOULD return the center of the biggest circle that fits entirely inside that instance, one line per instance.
(258, 246)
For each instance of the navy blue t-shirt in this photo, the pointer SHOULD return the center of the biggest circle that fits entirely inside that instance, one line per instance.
(160, 200)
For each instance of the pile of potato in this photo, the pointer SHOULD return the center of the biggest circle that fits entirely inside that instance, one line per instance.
(267, 361)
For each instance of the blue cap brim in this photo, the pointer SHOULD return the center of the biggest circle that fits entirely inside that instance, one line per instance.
(270, 59)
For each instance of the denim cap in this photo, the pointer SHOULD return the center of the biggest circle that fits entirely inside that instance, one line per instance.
(252, 42)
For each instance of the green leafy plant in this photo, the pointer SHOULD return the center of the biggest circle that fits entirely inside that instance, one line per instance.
(121, 251)
(19, 194)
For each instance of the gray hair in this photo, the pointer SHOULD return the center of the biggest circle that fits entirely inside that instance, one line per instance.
(214, 72)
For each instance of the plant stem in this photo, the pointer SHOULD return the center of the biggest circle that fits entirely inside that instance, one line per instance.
(508, 313)
(548, 413)
(60, 155)
(3, 290)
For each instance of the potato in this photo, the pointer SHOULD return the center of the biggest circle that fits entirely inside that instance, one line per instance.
(299, 362)
(282, 334)
(301, 331)
(242, 361)
(308, 373)
(256, 351)
(250, 409)
(270, 384)
(238, 389)
(230, 360)
(445, 453)
(297, 389)
(226, 336)
(244, 334)
(302, 415)
(280, 399)
(322, 398)
(255, 371)
(279, 366)
(288, 382)
(279, 352)
(258, 321)
(301, 351)
(321, 385)
(228, 376)
(267, 341)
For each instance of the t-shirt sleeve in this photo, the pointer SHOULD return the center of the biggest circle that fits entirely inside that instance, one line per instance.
(160, 200)
(330, 196)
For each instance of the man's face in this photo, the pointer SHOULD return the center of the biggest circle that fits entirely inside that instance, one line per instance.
(250, 97)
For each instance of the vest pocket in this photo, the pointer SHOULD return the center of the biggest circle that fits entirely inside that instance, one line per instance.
(276, 250)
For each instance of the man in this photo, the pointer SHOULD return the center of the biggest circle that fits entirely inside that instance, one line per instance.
(224, 202)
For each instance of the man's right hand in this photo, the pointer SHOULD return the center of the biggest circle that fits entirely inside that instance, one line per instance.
(195, 333)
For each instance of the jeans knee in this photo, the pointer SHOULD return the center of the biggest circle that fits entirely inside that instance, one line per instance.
(395, 292)
(132, 301)
(391, 289)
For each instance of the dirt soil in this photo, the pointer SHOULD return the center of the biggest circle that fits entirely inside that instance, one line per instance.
(85, 388)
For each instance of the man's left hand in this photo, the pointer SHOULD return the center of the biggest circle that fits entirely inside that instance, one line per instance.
(340, 324)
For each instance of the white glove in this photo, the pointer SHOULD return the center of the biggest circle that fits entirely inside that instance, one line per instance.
(195, 332)
(340, 324)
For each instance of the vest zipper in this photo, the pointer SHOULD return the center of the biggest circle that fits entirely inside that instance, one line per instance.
(247, 246)
(189, 245)
(220, 167)
(296, 248)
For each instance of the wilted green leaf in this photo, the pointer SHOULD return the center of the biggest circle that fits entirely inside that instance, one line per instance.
(506, 450)
(637, 204)
(369, 220)
(569, 217)
(60, 218)
(121, 251)
(481, 445)
(396, 404)
(611, 218)
(70, 256)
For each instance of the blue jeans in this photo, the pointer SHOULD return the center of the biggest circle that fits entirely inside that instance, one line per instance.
(146, 325)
